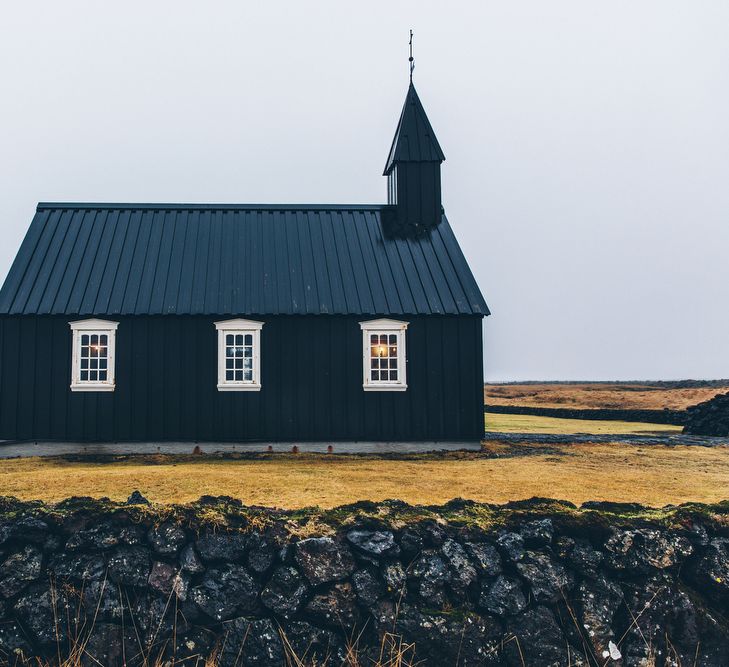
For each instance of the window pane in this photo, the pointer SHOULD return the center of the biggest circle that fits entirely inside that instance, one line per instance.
(102, 339)
(383, 339)
(393, 351)
(248, 363)
(373, 339)
(393, 339)
(238, 376)
(239, 363)
(229, 363)
(393, 363)
(376, 375)
(85, 339)
(249, 339)
(94, 339)
(84, 375)
(102, 363)
(84, 363)
(102, 376)
(229, 339)
(85, 351)
(249, 376)
(94, 363)
(374, 363)
(393, 375)
(229, 375)
(248, 351)
(229, 351)
(93, 376)
(239, 339)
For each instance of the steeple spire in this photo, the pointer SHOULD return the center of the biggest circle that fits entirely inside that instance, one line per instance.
(413, 167)
(411, 60)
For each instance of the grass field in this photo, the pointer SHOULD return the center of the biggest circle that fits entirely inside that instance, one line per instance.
(538, 424)
(654, 475)
(624, 396)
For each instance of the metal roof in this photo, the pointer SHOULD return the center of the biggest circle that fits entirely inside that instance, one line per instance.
(414, 139)
(124, 259)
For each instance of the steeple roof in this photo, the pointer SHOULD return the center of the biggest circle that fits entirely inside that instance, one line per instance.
(414, 139)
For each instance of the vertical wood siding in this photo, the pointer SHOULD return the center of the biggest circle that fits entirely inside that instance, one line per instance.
(311, 374)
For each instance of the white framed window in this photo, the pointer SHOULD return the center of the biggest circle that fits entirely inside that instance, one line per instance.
(239, 355)
(383, 355)
(93, 353)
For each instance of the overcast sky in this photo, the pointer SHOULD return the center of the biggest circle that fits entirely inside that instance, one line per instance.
(587, 146)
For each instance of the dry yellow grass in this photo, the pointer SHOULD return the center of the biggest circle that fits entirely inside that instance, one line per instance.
(595, 395)
(538, 424)
(653, 475)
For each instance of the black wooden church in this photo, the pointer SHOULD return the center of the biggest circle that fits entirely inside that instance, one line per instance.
(240, 323)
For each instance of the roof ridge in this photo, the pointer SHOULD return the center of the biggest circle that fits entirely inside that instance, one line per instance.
(193, 206)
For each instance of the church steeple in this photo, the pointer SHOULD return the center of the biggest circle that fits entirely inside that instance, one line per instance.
(413, 168)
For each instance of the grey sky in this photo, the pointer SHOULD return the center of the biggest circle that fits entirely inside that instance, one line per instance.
(587, 145)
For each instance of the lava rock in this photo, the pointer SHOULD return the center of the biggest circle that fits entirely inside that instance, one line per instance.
(502, 597)
(411, 543)
(28, 529)
(225, 590)
(38, 609)
(537, 533)
(166, 580)
(262, 554)
(78, 566)
(644, 549)
(227, 547)
(136, 498)
(320, 646)
(547, 579)
(463, 573)
(512, 546)
(19, 569)
(375, 543)
(485, 557)
(167, 539)
(190, 561)
(285, 592)
(14, 643)
(335, 606)
(110, 644)
(466, 640)
(251, 642)
(368, 586)
(394, 577)
(596, 603)
(323, 560)
(105, 536)
(430, 575)
(584, 558)
(129, 566)
(710, 573)
(539, 641)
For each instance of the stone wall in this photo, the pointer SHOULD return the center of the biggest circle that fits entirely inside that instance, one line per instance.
(710, 417)
(666, 416)
(530, 583)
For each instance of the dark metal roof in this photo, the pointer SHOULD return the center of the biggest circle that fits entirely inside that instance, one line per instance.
(414, 139)
(118, 259)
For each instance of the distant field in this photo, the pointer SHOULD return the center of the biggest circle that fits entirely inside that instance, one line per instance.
(535, 424)
(626, 396)
(654, 475)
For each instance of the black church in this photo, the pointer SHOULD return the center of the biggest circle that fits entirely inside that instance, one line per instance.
(248, 323)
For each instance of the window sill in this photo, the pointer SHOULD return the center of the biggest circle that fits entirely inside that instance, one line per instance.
(239, 387)
(92, 387)
(384, 387)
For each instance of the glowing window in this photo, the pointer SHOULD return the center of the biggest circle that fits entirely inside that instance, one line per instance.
(384, 360)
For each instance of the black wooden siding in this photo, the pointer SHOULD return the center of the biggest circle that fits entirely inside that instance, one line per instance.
(311, 373)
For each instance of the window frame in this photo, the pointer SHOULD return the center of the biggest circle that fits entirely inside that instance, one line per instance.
(239, 327)
(384, 327)
(91, 327)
